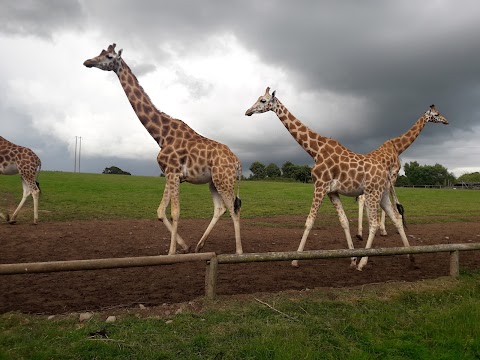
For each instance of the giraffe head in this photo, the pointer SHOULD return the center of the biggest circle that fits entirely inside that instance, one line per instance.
(108, 60)
(432, 115)
(264, 103)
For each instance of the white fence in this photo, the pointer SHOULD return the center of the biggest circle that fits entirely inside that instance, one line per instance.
(213, 260)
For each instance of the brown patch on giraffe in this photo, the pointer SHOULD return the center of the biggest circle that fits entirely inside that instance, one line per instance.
(137, 93)
(335, 171)
(147, 109)
(329, 162)
(144, 120)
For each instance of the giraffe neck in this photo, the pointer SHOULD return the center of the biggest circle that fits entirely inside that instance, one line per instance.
(5, 146)
(402, 142)
(156, 122)
(309, 140)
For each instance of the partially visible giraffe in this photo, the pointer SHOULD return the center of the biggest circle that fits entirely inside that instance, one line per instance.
(361, 206)
(184, 156)
(338, 170)
(16, 159)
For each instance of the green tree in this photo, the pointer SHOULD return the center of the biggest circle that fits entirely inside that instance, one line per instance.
(258, 171)
(115, 170)
(273, 171)
(288, 170)
(428, 174)
(402, 180)
(303, 173)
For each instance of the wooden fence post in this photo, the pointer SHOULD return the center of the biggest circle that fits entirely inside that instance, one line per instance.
(454, 263)
(211, 278)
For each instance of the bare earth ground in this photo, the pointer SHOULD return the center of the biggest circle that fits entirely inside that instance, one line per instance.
(170, 284)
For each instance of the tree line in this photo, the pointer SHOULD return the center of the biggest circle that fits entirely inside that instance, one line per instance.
(415, 174)
(289, 170)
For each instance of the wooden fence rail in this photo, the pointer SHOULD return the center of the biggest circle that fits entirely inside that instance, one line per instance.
(213, 261)
(99, 264)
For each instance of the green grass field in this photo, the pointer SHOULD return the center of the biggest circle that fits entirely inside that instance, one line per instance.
(70, 196)
(434, 319)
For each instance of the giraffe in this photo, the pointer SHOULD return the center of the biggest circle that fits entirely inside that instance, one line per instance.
(16, 159)
(185, 156)
(361, 206)
(338, 170)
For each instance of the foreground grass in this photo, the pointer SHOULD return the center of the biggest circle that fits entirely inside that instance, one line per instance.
(434, 319)
(73, 196)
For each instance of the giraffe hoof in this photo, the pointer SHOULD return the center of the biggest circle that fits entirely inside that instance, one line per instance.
(12, 222)
(295, 264)
(186, 250)
(359, 237)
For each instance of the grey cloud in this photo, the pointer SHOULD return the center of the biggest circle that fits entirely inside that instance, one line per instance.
(39, 18)
(399, 56)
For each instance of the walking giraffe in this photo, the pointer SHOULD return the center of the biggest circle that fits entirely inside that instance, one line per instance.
(338, 170)
(16, 159)
(184, 156)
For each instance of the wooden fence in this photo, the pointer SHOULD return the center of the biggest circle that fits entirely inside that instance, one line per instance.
(213, 260)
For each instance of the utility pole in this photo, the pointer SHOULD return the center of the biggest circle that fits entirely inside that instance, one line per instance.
(78, 144)
(75, 161)
(79, 153)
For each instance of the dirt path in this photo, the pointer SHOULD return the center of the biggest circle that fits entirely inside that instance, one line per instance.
(103, 289)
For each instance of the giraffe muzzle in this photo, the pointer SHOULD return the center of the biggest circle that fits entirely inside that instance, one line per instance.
(88, 63)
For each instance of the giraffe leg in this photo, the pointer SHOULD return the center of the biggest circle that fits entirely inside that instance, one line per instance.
(396, 218)
(383, 230)
(372, 210)
(337, 203)
(218, 210)
(161, 213)
(26, 193)
(361, 205)
(235, 215)
(318, 196)
(35, 194)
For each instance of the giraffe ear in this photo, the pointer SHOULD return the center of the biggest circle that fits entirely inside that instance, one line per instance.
(120, 53)
(273, 94)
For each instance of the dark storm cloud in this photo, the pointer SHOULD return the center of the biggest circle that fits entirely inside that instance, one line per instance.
(398, 57)
(39, 18)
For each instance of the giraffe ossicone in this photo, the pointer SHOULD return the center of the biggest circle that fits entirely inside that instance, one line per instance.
(185, 156)
(340, 171)
(16, 159)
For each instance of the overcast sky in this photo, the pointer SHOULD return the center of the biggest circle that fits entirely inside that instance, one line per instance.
(357, 71)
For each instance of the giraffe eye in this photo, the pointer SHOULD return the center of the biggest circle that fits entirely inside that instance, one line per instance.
(263, 101)
(109, 56)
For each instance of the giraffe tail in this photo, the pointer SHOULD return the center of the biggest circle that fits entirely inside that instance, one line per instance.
(401, 211)
(38, 173)
(237, 204)
(400, 208)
